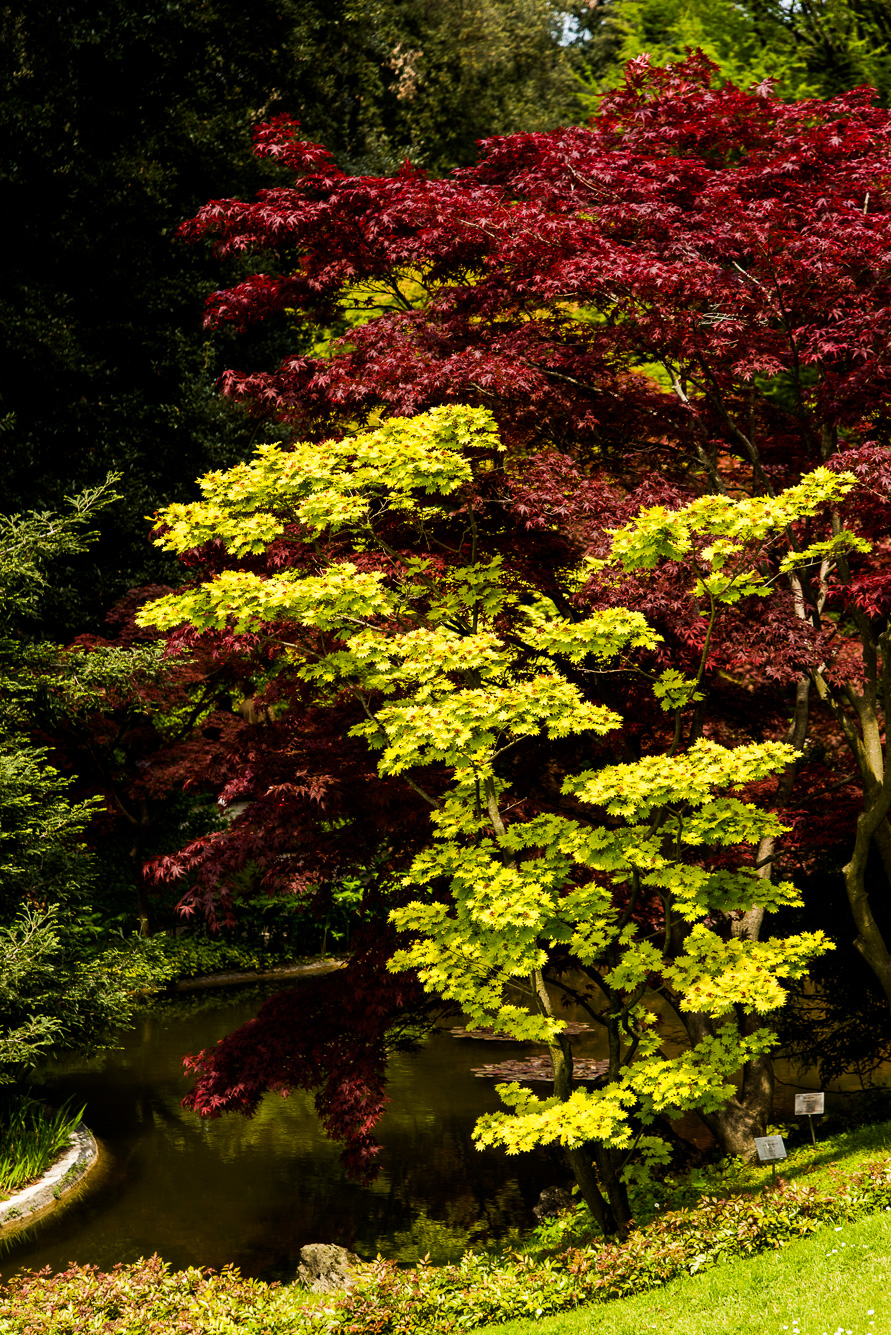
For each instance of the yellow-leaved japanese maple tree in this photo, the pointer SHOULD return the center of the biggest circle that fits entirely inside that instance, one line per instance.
(620, 893)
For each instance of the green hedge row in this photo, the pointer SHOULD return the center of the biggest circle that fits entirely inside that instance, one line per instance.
(161, 960)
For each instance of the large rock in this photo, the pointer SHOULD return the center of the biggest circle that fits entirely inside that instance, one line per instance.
(552, 1201)
(325, 1268)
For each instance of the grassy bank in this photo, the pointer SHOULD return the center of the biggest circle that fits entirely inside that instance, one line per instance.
(838, 1280)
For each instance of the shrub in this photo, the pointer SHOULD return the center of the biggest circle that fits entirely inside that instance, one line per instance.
(483, 1289)
(146, 1299)
(174, 957)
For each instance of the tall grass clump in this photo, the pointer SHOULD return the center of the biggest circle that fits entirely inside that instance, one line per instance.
(32, 1137)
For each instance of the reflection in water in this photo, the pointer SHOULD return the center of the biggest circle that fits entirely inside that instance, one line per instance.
(254, 1192)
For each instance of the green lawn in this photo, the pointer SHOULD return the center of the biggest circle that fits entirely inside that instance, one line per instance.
(839, 1280)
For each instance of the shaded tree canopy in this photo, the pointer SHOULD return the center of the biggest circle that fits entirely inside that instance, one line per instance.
(63, 983)
(117, 123)
(811, 47)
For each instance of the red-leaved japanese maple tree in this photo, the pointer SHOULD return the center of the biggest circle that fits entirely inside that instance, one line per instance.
(691, 294)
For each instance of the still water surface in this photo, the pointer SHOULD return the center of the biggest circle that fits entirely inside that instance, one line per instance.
(254, 1192)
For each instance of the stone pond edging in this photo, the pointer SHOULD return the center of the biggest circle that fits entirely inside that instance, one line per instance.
(67, 1172)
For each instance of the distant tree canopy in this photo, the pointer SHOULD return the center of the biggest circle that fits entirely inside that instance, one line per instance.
(116, 124)
(812, 47)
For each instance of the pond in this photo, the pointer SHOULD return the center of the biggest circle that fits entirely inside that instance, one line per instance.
(254, 1192)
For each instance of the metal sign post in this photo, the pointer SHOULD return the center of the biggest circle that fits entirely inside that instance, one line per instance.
(771, 1150)
(810, 1106)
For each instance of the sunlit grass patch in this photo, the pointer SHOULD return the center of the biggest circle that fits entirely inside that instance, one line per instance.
(850, 1149)
(835, 1282)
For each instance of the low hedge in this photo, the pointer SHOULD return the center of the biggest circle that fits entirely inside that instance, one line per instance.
(155, 962)
(197, 956)
(147, 1299)
(482, 1290)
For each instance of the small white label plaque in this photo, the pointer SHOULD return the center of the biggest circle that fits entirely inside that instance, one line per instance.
(810, 1105)
(770, 1148)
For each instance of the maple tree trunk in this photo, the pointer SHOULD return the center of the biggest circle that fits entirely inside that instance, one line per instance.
(607, 1210)
(581, 1162)
(748, 1112)
(142, 901)
(610, 1211)
(609, 1174)
(610, 1218)
(869, 940)
(868, 748)
(137, 862)
(882, 841)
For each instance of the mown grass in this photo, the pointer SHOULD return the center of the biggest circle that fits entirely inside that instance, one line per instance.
(837, 1280)
(840, 1151)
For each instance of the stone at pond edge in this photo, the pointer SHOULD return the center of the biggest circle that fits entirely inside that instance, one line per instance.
(326, 1268)
(551, 1202)
(72, 1165)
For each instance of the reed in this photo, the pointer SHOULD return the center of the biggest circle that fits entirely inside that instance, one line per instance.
(32, 1137)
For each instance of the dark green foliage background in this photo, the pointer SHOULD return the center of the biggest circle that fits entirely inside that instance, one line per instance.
(117, 122)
